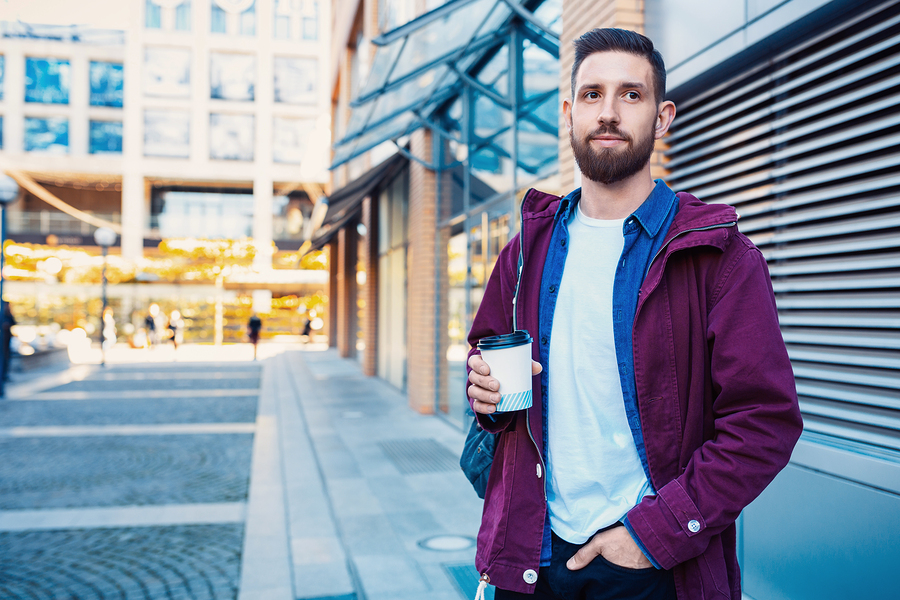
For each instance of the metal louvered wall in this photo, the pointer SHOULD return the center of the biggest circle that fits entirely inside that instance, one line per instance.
(806, 146)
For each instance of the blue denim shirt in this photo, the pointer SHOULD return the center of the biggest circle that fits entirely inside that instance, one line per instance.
(644, 231)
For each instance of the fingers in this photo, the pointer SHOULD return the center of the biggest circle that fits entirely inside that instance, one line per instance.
(484, 389)
(536, 367)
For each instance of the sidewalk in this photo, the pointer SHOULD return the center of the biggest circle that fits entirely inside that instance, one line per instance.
(375, 505)
(352, 495)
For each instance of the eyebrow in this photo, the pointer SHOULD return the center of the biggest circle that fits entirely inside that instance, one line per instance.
(625, 84)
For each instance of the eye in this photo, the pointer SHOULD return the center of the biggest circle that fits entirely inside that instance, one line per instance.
(592, 95)
(632, 95)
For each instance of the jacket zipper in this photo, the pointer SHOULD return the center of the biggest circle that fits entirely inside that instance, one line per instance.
(681, 233)
(515, 321)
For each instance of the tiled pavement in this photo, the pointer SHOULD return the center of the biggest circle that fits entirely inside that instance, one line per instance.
(216, 477)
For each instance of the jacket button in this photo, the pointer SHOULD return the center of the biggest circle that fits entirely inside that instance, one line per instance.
(529, 576)
(694, 525)
(539, 470)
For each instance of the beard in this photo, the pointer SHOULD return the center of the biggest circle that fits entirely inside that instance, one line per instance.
(609, 165)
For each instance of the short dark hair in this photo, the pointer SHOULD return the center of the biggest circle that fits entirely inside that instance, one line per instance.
(621, 40)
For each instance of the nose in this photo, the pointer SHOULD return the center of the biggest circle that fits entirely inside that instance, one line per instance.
(609, 113)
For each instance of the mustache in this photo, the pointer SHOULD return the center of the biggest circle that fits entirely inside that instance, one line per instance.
(608, 130)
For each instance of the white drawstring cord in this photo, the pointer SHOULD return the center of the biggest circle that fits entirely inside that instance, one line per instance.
(482, 585)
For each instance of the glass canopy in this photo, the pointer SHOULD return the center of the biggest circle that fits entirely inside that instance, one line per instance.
(503, 54)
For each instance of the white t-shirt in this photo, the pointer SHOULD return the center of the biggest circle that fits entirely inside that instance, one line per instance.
(595, 473)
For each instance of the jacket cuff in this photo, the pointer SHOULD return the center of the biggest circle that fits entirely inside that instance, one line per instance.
(639, 543)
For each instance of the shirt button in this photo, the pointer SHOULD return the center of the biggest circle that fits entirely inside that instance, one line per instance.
(694, 525)
(544, 340)
(562, 242)
(529, 576)
(552, 288)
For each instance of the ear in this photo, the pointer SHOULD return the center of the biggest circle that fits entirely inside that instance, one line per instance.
(664, 118)
(567, 113)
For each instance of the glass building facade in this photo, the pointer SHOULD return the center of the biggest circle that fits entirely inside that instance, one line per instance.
(482, 78)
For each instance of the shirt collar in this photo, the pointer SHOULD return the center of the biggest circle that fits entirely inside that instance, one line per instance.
(651, 214)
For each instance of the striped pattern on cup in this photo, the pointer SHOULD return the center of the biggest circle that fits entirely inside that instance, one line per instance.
(517, 401)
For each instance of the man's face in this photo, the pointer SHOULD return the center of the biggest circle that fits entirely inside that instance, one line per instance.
(613, 118)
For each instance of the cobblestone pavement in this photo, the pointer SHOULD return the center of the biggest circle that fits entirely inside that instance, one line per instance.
(49, 465)
(194, 562)
(137, 411)
(57, 472)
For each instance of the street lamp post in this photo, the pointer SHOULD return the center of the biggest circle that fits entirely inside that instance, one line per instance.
(105, 237)
(9, 191)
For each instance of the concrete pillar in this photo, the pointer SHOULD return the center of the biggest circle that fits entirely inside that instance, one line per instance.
(347, 321)
(370, 290)
(262, 218)
(134, 201)
(79, 98)
(14, 100)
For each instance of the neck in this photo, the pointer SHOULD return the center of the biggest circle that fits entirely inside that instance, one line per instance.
(615, 200)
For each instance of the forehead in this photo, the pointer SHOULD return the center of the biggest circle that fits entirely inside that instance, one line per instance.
(614, 68)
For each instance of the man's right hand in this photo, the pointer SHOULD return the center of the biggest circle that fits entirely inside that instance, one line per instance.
(484, 389)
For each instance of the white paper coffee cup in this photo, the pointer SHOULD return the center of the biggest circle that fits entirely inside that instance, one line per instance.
(509, 358)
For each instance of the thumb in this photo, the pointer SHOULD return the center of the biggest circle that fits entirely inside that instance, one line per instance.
(536, 367)
(582, 558)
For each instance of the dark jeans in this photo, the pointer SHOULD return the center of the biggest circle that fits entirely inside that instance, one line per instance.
(600, 580)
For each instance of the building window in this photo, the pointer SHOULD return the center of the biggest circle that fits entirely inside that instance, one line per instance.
(183, 16)
(167, 72)
(296, 19)
(310, 20)
(107, 87)
(233, 16)
(48, 135)
(231, 137)
(47, 80)
(167, 133)
(289, 139)
(152, 15)
(232, 76)
(1, 133)
(218, 20)
(2, 70)
(106, 137)
(295, 80)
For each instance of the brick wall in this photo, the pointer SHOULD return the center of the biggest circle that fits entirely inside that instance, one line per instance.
(421, 327)
(579, 17)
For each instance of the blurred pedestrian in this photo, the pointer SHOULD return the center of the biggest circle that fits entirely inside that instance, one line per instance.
(254, 325)
(7, 321)
(175, 327)
(150, 325)
(109, 329)
(307, 327)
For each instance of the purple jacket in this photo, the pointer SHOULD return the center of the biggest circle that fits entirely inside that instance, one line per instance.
(716, 397)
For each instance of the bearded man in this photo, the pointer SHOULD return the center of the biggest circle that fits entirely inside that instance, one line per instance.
(663, 398)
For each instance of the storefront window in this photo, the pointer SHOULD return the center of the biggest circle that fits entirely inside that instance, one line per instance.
(457, 348)
(392, 242)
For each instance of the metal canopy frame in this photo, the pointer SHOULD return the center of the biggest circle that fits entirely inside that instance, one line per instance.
(398, 100)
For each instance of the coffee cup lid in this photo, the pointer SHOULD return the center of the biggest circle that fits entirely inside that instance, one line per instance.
(507, 340)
